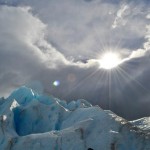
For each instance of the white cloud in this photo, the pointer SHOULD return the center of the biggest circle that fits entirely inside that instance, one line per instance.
(19, 26)
(147, 37)
(137, 53)
(148, 16)
(146, 45)
(119, 20)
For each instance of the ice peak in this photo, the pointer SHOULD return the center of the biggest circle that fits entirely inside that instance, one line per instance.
(23, 95)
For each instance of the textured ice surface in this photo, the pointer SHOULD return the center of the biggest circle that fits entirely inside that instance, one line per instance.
(143, 123)
(29, 121)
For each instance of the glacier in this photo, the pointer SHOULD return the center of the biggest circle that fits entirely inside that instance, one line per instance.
(31, 121)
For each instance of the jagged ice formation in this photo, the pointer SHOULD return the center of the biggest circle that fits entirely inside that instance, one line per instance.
(29, 121)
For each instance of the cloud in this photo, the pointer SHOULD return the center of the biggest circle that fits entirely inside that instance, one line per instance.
(24, 51)
(19, 26)
(146, 45)
(148, 16)
(23, 48)
(120, 16)
(85, 33)
(137, 53)
(147, 37)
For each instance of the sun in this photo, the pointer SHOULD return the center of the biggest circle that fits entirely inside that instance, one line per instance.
(109, 60)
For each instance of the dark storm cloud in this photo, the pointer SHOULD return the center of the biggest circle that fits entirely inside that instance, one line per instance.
(61, 41)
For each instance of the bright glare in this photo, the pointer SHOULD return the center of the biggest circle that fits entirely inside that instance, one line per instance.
(56, 83)
(109, 60)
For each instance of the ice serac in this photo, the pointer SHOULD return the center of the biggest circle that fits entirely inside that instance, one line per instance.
(29, 121)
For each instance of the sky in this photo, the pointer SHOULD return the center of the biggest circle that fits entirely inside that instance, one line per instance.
(55, 47)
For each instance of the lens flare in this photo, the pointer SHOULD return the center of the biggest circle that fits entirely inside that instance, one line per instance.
(56, 83)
